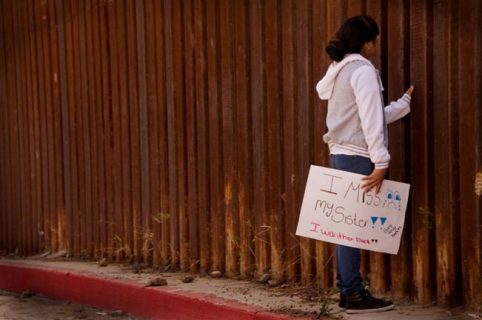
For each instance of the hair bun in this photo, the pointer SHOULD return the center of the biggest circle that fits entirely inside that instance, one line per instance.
(336, 50)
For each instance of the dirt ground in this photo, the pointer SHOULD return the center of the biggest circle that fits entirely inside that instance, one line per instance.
(295, 301)
(27, 306)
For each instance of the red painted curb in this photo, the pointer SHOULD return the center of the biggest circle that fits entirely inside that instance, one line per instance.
(146, 302)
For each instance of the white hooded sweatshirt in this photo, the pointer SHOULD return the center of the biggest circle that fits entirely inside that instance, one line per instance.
(356, 118)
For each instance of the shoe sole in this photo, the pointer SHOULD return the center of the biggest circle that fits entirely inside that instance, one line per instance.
(353, 311)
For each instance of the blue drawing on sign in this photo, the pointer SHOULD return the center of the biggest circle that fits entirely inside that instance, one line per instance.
(393, 200)
(375, 219)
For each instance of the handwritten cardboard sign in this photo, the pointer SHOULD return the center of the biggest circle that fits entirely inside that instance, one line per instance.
(336, 210)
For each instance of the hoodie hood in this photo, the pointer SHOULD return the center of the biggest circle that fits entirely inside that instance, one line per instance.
(324, 87)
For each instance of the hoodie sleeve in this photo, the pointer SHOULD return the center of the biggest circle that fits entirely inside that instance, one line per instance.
(364, 82)
(398, 109)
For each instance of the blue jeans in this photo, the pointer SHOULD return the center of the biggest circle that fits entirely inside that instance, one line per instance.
(347, 258)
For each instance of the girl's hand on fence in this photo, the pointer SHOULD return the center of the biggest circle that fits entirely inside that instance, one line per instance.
(374, 180)
(410, 90)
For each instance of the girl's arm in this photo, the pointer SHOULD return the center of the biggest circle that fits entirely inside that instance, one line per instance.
(400, 108)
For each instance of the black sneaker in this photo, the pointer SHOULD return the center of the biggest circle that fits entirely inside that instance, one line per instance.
(342, 303)
(364, 302)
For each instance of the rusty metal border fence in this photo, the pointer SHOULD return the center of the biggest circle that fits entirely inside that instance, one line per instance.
(180, 133)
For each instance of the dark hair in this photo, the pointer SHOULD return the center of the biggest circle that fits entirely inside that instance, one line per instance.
(351, 37)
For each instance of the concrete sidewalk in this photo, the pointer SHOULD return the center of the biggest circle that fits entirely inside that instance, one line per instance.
(86, 288)
(117, 287)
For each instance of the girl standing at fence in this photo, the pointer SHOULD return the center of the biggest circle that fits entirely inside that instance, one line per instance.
(357, 135)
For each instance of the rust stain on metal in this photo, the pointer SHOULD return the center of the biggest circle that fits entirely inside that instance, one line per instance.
(478, 184)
